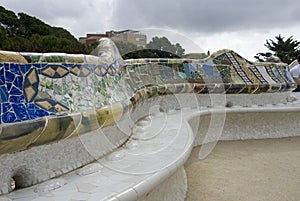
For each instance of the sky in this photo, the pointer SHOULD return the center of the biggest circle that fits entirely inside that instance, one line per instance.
(198, 25)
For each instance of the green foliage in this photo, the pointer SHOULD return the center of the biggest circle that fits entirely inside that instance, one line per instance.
(287, 50)
(163, 44)
(29, 34)
(157, 48)
(126, 47)
(25, 33)
(149, 53)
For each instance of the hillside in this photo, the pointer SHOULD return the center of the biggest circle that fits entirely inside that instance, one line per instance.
(21, 32)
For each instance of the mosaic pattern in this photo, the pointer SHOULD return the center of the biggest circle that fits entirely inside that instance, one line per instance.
(49, 97)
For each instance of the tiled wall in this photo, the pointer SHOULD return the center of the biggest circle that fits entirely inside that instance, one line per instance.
(49, 97)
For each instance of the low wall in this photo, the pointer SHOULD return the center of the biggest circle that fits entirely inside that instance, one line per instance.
(63, 111)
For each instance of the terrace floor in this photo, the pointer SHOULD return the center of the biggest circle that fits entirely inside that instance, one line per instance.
(267, 169)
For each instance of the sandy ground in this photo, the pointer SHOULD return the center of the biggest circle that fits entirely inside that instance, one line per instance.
(255, 170)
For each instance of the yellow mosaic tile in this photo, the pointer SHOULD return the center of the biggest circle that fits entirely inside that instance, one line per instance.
(6, 56)
(59, 108)
(61, 71)
(30, 92)
(89, 122)
(75, 70)
(74, 59)
(77, 118)
(32, 77)
(21, 135)
(57, 128)
(236, 79)
(85, 71)
(108, 115)
(44, 104)
(49, 71)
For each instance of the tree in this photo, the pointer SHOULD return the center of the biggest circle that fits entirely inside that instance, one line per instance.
(163, 44)
(126, 47)
(132, 51)
(26, 33)
(287, 50)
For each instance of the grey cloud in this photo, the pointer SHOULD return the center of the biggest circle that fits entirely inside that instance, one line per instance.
(78, 16)
(189, 16)
(208, 16)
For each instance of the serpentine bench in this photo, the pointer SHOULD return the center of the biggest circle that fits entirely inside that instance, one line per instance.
(105, 128)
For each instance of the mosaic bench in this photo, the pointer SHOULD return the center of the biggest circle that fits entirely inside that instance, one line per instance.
(60, 112)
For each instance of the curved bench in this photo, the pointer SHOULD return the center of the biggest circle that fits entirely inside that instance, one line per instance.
(150, 165)
(47, 131)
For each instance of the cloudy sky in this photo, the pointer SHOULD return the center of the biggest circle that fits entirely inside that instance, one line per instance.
(198, 25)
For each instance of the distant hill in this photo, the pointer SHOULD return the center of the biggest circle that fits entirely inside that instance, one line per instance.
(24, 33)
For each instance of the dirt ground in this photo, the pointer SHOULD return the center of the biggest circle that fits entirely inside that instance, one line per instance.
(254, 170)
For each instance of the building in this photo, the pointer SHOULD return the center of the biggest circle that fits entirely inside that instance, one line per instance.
(132, 36)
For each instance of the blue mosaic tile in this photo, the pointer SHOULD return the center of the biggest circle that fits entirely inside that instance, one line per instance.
(3, 94)
(0, 114)
(11, 113)
(6, 107)
(1, 64)
(6, 66)
(35, 111)
(16, 99)
(25, 68)
(20, 111)
(15, 91)
(8, 117)
(68, 65)
(9, 85)
(40, 65)
(91, 67)
(14, 68)
(18, 82)
(163, 60)
(10, 77)
(2, 79)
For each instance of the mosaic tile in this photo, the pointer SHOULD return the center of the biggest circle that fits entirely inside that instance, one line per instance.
(200, 88)
(89, 122)
(108, 115)
(258, 74)
(31, 57)
(74, 58)
(57, 127)
(235, 88)
(81, 93)
(19, 136)
(6, 56)
(100, 70)
(31, 83)
(55, 71)
(111, 71)
(35, 111)
(3, 94)
(51, 105)
(24, 68)
(53, 58)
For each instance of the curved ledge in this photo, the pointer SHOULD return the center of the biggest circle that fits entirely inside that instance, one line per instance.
(135, 169)
(77, 109)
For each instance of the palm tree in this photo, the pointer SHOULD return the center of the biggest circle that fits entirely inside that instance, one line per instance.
(287, 50)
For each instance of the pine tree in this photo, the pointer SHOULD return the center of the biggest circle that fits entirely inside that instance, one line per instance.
(287, 50)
